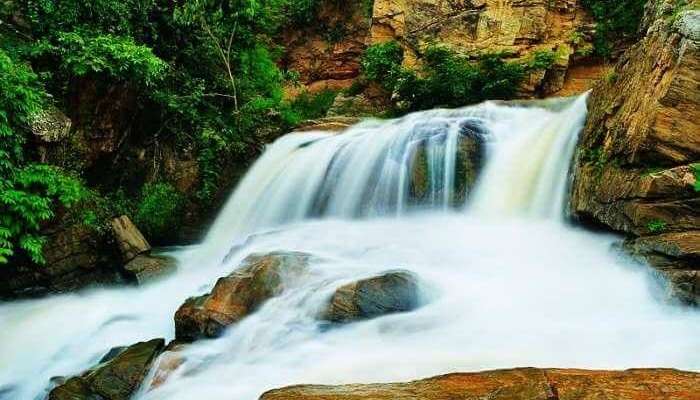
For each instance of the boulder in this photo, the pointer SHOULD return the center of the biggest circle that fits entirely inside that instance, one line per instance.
(50, 125)
(259, 278)
(145, 268)
(118, 378)
(130, 240)
(391, 292)
(515, 384)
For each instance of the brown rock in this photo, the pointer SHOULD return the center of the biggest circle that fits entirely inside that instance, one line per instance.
(145, 268)
(330, 124)
(633, 170)
(259, 278)
(516, 384)
(129, 239)
(115, 379)
(388, 293)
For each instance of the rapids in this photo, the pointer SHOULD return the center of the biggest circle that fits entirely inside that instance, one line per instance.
(506, 280)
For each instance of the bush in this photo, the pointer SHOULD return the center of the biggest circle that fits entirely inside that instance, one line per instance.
(656, 226)
(28, 192)
(312, 106)
(382, 63)
(696, 172)
(159, 210)
(447, 79)
(615, 20)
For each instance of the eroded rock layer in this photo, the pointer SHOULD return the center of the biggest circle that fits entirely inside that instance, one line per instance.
(637, 167)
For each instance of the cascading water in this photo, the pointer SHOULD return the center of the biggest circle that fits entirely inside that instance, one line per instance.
(502, 288)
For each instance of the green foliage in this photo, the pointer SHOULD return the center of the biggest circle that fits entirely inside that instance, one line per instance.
(159, 210)
(696, 172)
(656, 226)
(382, 63)
(311, 106)
(28, 192)
(542, 60)
(615, 20)
(447, 79)
(118, 57)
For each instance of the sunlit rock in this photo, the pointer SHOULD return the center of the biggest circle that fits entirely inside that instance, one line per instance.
(515, 384)
(235, 296)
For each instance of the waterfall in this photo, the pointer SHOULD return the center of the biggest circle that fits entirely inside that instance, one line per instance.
(369, 169)
(469, 200)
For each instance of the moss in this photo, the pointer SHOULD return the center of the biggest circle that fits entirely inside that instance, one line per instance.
(696, 172)
(656, 226)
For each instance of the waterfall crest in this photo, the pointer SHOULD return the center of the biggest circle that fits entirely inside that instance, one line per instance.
(375, 168)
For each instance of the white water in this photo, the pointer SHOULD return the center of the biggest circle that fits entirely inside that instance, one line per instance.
(506, 283)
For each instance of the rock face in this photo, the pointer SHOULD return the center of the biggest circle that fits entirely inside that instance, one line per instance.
(327, 53)
(517, 27)
(515, 384)
(388, 293)
(636, 168)
(118, 378)
(75, 257)
(235, 296)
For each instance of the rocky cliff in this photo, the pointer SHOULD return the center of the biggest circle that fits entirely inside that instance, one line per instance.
(637, 168)
(517, 27)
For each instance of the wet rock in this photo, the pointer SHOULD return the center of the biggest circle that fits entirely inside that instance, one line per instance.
(515, 384)
(468, 164)
(130, 240)
(388, 293)
(635, 161)
(116, 379)
(145, 268)
(237, 295)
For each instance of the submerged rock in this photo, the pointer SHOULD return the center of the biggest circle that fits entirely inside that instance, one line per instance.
(118, 378)
(388, 293)
(469, 159)
(515, 384)
(234, 297)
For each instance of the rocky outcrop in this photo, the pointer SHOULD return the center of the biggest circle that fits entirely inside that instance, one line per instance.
(519, 28)
(116, 378)
(237, 295)
(326, 53)
(75, 258)
(636, 170)
(515, 384)
(129, 239)
(388, 293)
(145, 268)
(328, 124)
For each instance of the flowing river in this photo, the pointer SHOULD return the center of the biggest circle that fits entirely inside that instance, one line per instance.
(505, 280)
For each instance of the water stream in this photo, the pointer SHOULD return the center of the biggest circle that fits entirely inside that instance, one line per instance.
(506, 281)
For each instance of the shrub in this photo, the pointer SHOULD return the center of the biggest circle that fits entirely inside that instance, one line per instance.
(118, 57)
(159, 210)
(28, 192)
(382, 62)
(311, 106)
(615, 20)
(656, 226)
(696, 172)
(447, 79)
